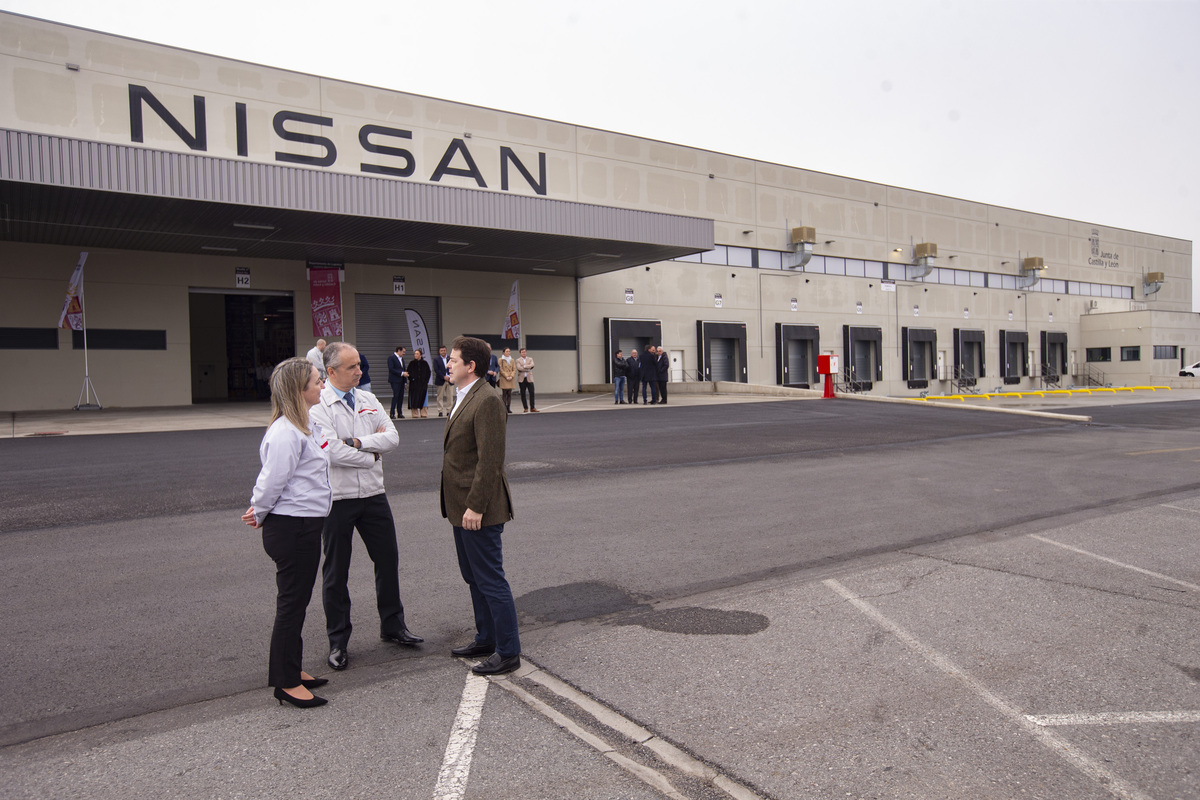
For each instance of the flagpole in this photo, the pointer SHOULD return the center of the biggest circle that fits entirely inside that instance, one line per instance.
(88, 390)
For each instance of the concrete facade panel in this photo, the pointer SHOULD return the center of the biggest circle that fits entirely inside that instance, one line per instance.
(606, 170)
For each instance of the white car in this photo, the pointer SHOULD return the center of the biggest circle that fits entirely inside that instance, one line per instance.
(1190, 371)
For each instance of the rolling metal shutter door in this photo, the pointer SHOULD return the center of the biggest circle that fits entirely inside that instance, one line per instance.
(382, 325)
(797, 360)
(628, 344)
(722, 352)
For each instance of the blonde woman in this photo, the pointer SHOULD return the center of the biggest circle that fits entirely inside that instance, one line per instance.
(508, 378)
(291, 499)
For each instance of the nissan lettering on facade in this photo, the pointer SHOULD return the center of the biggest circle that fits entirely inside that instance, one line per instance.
(301, 128)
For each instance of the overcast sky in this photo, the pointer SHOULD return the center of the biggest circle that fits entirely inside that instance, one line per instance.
(1085, 110)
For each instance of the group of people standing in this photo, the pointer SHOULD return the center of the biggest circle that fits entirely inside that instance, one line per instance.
(650, 370)
(322, 479)
(415, 374)
(503, 372)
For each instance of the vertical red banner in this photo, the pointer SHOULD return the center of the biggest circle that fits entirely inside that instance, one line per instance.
(326, 290)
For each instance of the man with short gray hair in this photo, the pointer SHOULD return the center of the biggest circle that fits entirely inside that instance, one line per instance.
(360, 432)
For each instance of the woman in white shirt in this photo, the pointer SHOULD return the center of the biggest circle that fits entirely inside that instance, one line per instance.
(291, 499)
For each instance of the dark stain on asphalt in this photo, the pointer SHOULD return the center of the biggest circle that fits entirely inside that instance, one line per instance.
(700, 621)
(1191, 672)
(585, 600)
(574, 601)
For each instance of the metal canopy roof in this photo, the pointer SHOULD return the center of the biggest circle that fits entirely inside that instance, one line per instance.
(62, 191)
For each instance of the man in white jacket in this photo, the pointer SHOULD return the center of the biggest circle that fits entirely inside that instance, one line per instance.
(359, 432)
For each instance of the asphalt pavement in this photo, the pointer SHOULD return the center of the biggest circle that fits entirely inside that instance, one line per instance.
(780, 599)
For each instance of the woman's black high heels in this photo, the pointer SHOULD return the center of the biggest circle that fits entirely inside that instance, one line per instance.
(312, 683)
(283, 696)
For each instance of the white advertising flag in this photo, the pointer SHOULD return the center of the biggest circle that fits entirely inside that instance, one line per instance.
(512, 320)
(72, 312)
(416, 331)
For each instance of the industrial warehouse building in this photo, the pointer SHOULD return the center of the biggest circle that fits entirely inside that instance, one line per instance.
(208, 193)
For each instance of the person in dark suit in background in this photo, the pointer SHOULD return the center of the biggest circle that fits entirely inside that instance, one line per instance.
(476, 500)
(649, 373)
(634, 368)
(664, 373)
(493, 370)
(396, 378)
(445, 391)
(364, 382)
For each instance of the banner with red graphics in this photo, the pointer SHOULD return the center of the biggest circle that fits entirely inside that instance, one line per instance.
(325, 287)
(72, 312)
(512, 318)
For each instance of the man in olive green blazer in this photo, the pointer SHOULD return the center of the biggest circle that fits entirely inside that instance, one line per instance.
(476, 500)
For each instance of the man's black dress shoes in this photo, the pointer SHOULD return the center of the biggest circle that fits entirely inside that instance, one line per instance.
(403, 636)
(474, 649)
(495, 665)
(338, 658)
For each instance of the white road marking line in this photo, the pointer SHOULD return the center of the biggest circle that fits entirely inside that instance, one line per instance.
(1115, 563)
(640, 771)
(1156, 452)
(456, 765)
(573, 402)
(665, 751)
(1077, 758)
(1114, 718)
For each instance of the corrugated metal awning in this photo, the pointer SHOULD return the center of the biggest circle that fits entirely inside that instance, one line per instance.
(55, 190)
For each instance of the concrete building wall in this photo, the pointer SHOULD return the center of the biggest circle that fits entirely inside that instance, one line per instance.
(139, 290)
(59, 80)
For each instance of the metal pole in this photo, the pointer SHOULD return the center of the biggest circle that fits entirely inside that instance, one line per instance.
(88, 390)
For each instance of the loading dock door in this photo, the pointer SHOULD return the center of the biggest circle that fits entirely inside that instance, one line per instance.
(627, 335)
(799, 360)
(968, 356)
(861, 347)
(918, 346)
(724, 359)
(237, 338)
(796, 349)
(381, 323)
(1054, 355)
(721, 351)
(1014, 346)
